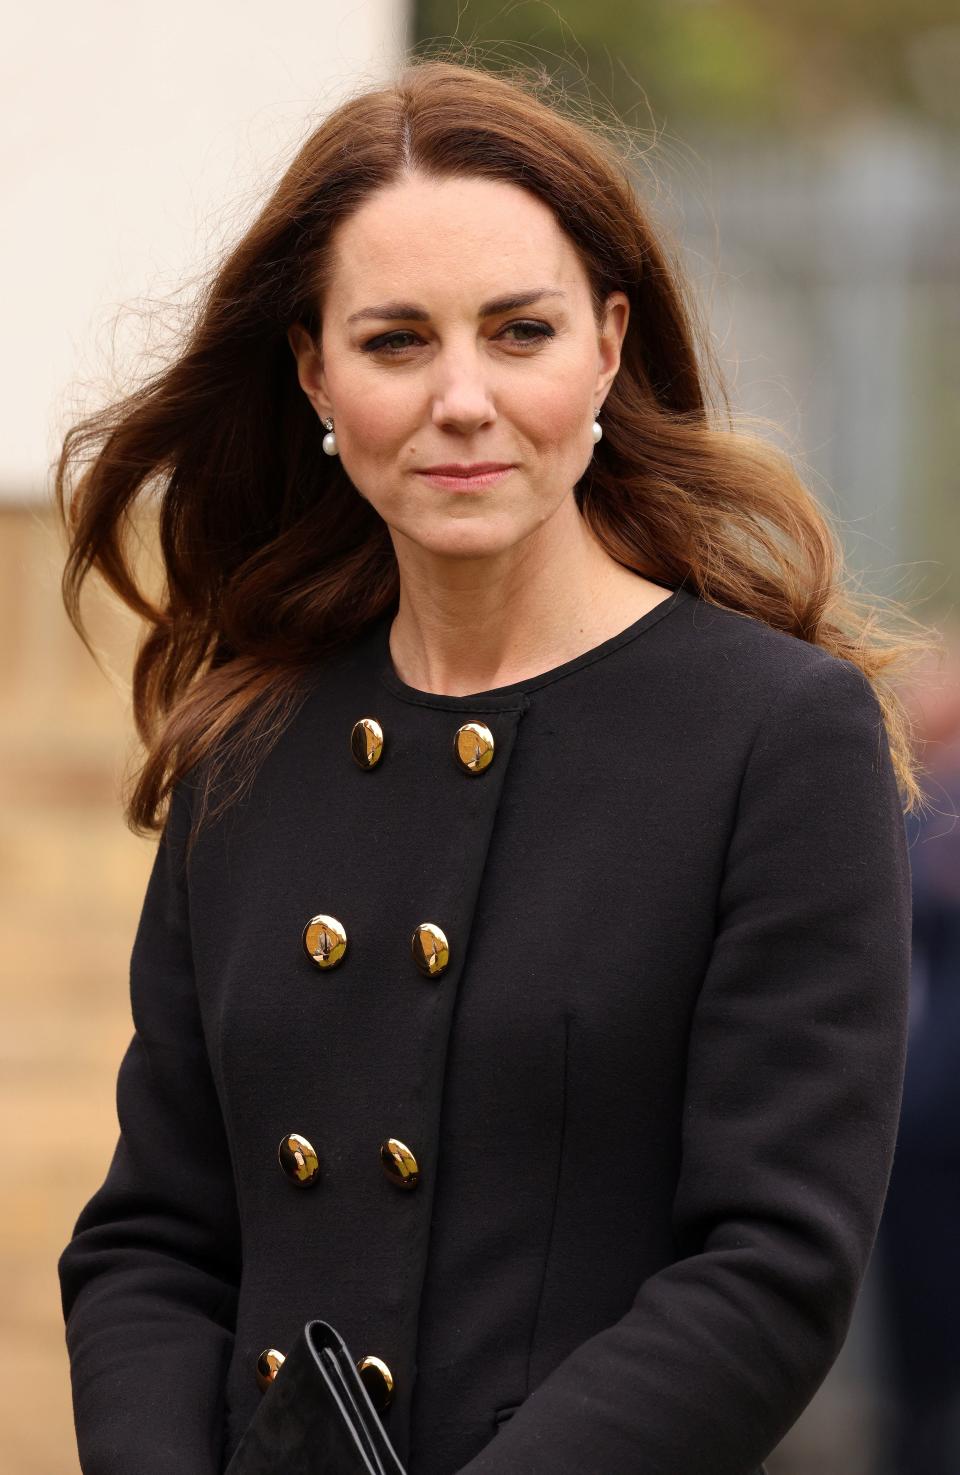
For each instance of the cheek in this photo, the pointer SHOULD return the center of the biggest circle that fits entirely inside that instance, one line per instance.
(378, 412)
(550, 413)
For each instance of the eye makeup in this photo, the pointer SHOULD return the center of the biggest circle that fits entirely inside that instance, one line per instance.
(384, 342)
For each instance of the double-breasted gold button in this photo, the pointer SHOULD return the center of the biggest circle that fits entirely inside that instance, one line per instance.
(366, 742)
(378, 1381)
(324, 940)
(473, 746)
(431, 951)
(298, 1160)
(269, 1364)
(399, 1163)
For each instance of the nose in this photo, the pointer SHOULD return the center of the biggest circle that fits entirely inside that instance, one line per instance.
(461, 394)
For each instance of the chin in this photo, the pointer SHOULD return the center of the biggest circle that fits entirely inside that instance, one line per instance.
(474, 539)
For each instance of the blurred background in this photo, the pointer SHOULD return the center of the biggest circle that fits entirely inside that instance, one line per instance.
(803, 159)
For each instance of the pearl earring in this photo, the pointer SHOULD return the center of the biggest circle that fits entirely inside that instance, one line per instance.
(330, 440)
(597, 427)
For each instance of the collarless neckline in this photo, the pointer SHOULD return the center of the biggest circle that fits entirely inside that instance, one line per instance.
(511, 695)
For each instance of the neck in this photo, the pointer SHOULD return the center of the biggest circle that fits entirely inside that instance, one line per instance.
(467, 625)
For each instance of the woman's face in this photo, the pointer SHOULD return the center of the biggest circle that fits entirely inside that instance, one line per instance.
(421, 363)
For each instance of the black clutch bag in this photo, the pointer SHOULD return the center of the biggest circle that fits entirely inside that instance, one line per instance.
(316, 1417)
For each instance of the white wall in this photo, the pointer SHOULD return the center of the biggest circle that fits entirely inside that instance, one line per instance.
(136, 142)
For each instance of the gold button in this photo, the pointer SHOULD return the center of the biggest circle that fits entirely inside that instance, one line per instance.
(473, 746)
(399, 1163)
(269, 1364)
(298, 1160)
(324, 940)
(431, 951)
(378, 1381)
(366, 742)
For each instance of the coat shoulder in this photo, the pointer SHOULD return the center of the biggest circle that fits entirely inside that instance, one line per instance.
(735, 655)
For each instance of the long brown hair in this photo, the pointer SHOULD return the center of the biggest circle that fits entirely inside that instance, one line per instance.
(269, 556)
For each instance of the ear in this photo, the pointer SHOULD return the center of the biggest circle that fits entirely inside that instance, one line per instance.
(310, 369)
(610, 336)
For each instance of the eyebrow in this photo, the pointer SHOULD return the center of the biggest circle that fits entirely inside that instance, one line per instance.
(409, 312)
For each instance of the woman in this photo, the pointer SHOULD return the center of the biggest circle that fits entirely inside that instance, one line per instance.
(532, 1004)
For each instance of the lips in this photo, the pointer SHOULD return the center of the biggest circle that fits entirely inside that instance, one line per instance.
(475, 468)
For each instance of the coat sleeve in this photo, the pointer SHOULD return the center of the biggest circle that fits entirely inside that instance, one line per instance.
(149, 1279)
(794, 1078)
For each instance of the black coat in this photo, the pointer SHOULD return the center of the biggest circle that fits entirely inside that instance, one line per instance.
(651, 1098)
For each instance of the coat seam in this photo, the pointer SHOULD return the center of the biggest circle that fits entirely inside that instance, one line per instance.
(556, 1198)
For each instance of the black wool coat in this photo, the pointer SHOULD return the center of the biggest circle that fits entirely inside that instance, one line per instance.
(647, 1107)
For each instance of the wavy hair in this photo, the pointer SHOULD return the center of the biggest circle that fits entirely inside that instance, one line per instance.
(269, 556)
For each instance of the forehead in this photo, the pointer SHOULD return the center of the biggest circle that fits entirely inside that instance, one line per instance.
(452, 237)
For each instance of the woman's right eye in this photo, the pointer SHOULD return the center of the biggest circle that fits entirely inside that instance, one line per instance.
(384, 341)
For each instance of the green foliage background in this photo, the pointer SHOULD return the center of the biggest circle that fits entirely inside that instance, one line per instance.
(796, 66)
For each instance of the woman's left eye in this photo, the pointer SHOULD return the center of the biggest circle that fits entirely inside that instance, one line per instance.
(540, 330)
